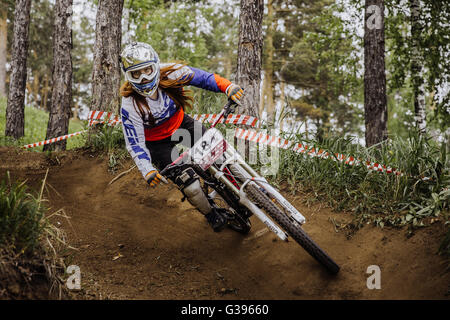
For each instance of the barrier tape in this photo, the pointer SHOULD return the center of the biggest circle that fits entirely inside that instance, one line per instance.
(236, 119)
(41, 143)
(96, 117)
(259, 137)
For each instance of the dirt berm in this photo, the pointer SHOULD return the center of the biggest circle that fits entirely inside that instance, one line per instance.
(139, 243)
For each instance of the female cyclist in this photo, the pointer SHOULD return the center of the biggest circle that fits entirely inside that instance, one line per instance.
(154, 119)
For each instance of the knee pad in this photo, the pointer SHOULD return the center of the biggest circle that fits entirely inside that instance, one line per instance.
(190, 186)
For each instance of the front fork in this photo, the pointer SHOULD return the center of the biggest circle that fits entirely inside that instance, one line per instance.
(248, 175)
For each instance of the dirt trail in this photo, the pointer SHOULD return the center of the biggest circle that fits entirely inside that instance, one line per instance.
(139, 243)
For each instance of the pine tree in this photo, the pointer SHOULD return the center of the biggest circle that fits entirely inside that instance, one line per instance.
(61, 102)
(417, 65)
(106, 69)
(249, 54)
(3, 44)
(15, 111)
(375, 100)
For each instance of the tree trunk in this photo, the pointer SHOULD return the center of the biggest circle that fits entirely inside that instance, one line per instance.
(417, 66)
(269, 66)
(375, 101)
(249, 54)
(58, 123)
(106, 69)
(15, 111)
(3, 43)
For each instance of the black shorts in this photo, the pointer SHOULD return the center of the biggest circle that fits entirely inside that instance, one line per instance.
(165, 151)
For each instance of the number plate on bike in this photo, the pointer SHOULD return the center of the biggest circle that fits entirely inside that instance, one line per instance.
(208, 149)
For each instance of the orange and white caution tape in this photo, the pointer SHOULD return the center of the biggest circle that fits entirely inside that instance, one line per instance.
(259, 137)
(96, 117)
(237, 119)
(41, 143)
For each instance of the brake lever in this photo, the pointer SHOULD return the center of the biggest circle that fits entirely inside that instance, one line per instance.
(230, 107)
(169, 172)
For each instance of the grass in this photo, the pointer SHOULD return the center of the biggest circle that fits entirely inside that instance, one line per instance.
(36, 128)
(386, 199)
(382, 198)
(29, 242)
(109, 140)
(25, 225)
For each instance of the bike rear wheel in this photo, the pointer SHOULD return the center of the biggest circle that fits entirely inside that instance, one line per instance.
(297, 233)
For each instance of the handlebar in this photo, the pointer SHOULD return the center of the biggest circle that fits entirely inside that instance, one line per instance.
(169, 167)
(230, 107)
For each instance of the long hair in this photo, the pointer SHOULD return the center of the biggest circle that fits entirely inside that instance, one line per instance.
(173, 88)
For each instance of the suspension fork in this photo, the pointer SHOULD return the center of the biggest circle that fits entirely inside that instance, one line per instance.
(250, 174)
(245, 201)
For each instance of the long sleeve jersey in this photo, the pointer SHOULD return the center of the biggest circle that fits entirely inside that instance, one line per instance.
(167, 116)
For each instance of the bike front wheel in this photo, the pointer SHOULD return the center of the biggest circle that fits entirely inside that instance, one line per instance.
(297, 233)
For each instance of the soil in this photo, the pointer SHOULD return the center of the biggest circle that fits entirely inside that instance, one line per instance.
(134, 242)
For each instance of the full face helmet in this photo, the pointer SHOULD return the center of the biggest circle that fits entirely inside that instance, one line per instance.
(140, 65)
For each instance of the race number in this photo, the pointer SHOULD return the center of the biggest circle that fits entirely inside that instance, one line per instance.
(208, 149)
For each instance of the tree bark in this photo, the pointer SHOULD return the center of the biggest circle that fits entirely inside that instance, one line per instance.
(375, 101)
(15, 110)
(249, 54)
(417, 66)
(106, 69)
(58, 123)
(3, 44)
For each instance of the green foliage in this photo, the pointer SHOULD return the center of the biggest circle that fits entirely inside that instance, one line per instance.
(380, 197)
(177, 40)
(321, 60)
(40, 56)
(36, 128)
(83, 38)
(22, 217)
(434, 45)
(108, 140)
(201, 34)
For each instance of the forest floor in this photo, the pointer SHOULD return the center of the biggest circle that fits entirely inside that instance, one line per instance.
(134, 242)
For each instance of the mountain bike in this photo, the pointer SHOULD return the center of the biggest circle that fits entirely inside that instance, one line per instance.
(238, 192)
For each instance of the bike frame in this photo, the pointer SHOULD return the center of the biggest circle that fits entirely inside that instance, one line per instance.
(221, 171)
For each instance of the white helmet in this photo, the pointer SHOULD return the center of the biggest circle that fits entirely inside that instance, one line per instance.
(140, 61)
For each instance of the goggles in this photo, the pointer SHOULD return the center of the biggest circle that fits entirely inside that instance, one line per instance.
(137, 73)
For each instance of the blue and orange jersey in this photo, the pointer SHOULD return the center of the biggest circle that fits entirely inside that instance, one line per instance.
(167, 116)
